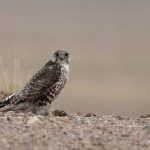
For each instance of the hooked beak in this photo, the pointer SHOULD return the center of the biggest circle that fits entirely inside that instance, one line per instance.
(62, 57)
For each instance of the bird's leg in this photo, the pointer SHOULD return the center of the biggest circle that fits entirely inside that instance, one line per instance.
(43, 110)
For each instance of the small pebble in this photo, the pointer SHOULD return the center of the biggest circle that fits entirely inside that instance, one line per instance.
(59, 113)
(118, 117)
(147, 127)
(34, 120)
(90, 115)
(145, 116)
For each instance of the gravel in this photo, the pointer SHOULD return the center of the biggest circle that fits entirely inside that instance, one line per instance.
(26, 131)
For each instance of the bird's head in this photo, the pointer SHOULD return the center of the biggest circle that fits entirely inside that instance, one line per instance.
(61, 57)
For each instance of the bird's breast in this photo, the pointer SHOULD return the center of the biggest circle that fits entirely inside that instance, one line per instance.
(66, 67)
(65, 70)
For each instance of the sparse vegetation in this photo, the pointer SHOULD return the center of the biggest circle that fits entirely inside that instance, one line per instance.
(12, 77)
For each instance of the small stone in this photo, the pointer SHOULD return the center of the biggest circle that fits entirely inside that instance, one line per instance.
(59, 113)
(125, 135)
(145, 116)
(8, 118)
(34, 120)
(147, 127)
(118, 117)
(90, 115)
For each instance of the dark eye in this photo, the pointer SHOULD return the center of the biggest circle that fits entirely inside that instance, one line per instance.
(67, 54)
(56, 54)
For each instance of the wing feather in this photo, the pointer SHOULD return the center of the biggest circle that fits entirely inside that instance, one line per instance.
(39, 83)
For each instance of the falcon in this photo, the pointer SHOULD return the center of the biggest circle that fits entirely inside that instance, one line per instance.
(42, 89)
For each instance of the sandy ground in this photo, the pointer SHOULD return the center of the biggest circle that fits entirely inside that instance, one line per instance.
(65, 131)
(61, 131)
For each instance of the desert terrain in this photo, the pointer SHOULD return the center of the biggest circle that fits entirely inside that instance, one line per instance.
(73, 131)
(21, 131)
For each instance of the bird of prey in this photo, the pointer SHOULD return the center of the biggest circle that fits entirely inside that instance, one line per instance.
(42, 89)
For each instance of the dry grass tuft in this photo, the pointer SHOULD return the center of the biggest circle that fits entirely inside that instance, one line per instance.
(12, 77)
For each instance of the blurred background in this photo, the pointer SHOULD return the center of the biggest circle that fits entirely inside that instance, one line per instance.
(109, 42)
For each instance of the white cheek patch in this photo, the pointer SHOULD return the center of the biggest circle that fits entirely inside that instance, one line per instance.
(66, 66)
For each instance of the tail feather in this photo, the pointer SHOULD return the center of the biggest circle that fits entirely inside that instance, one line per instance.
(5, 103)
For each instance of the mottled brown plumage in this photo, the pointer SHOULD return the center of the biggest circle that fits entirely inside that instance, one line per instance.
(42, 89)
